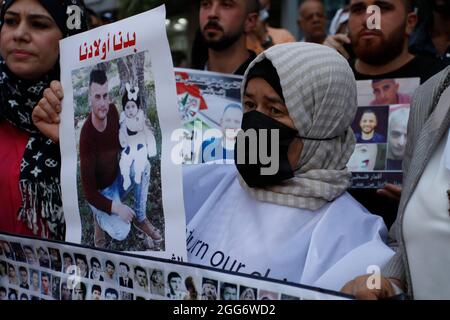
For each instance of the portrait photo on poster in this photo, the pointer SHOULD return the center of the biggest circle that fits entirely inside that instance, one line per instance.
(397, 135)
(371, 124)
(209, 106)
(117, 125)
(382, 92)
(368, 157)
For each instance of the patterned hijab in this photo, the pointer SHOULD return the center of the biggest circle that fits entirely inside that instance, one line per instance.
(320, 93)
(39, 182)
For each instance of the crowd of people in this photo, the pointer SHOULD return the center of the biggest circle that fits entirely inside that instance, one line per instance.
(301, 223)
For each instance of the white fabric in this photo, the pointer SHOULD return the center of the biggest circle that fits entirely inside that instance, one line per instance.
(324, 248)
(136, 147)
(426, 228)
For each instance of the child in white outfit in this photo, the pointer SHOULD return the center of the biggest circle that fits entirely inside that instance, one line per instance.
(136, 139)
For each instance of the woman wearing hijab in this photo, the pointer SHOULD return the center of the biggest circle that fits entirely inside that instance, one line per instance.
(296, 223)
(30, 193)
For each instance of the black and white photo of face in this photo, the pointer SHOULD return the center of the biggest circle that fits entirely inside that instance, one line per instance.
(55, 259)
(12, 274)
(66, 292)
(141, 278)
(44, 259)
(111, 294)
(29, 254)
(23, 273)
(34, 281)
(96, 272)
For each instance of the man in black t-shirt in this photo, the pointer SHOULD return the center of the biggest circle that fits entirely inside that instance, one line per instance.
(223, 29)
(383, 54)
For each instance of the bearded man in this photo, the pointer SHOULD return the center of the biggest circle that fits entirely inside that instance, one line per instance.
(223, 29)
(383, 54)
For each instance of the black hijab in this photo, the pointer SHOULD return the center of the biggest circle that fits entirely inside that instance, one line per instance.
(39, 180)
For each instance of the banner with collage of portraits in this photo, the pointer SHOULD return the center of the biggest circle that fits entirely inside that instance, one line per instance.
(209, 105)
(380, 128)
(119, 110)
(33, 269)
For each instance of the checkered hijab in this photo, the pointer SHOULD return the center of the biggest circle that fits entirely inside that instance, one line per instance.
(320, 93)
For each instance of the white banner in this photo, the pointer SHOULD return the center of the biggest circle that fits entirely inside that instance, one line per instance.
(33, 269)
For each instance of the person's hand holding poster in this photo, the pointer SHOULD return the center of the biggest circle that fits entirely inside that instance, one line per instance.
(118, 112)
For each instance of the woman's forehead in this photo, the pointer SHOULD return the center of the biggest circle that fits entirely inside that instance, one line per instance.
(28, 7)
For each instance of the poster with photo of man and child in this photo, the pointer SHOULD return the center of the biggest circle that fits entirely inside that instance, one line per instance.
(118, 103)
(380, 129)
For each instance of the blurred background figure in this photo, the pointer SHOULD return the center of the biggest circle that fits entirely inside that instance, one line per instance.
(312, 21)
(94, 20)
(432, 35)
(264, 36)
(179, 59)
(108, 17)
(223, 29)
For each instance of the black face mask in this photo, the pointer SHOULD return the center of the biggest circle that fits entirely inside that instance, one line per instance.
(251, 171)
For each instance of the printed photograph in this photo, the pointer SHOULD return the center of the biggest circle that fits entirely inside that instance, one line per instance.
(247, 293)
(18, 252)
(140, 279)
(55, 259)
(43, 257)
(119, 146)
(30, 255)
(228, 291)
(209, 289)
(7, 250)
(382, 92)
(125, 275)
(176, 289)
(110, 273)
(157, 282)
(371, 124)
(397, 134)
(35, 281)
(368, 157)
(267, 295)
(210, 109)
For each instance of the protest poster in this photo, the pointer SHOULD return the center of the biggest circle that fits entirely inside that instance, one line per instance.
(32, 269)
(119, 111)
(380, 128)
(209, 105)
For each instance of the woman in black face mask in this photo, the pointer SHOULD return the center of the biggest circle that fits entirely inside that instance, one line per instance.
(287, 215)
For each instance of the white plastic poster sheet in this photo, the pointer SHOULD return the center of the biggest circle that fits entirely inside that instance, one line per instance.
(380, 128)
(119, 111)
(209, 105)
(33, 269)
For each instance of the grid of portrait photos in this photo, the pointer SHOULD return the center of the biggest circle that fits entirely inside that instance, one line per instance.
(210, 109)
(33, 269)
(380, 128)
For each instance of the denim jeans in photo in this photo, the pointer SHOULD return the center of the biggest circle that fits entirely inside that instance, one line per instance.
(114, 225)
